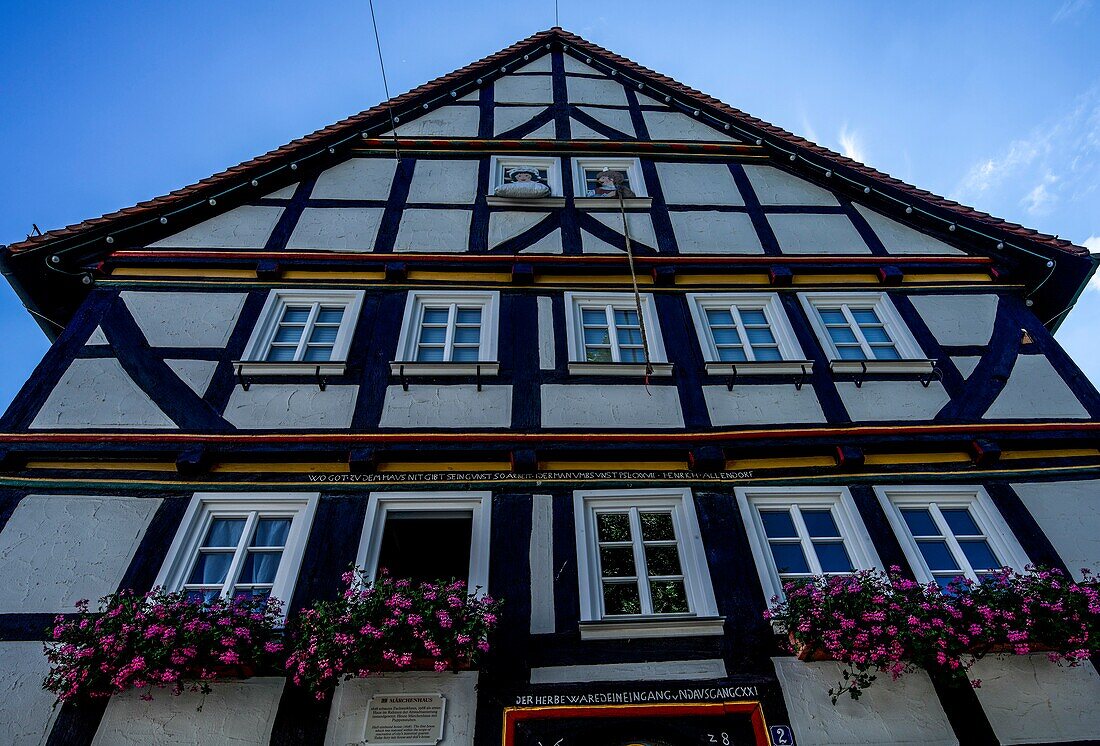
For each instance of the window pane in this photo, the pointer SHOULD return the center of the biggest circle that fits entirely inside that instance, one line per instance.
(468, 316)
(330, 315)
(629, 336)
(318, 353)
(467, 335)
(436, 315)
(296, 315)
(841, 334)
(613, 526)
(875, 334)
(820, 523)
(832, 316)
(596, 336)
(754, 317)
(206, 597)
(937, 555)
(211, 568)
(767, 353)
(945, 580)
(429, 354)
(271, 532)
(726, 336)
(759, 335)
(789, 558)
(668, 597)
(433, 335)
(466, 354)
(662, 560)
(632, 355)
(657, 527)
(625, 317)
(778, 524)
(833, 557)
(886, 353)
(731, 354)
(224, 532)
(323, 334)
(593, 316)
(616, 562)
(719, 317)
(280, 354)
(260, 567)
(961, 522)
(920, 522)
(864, 315)
(621, 598)
(289, 334)
(598, 355)
(979, 555)
(851, 353)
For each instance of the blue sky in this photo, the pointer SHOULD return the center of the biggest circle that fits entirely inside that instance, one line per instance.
(996, 104)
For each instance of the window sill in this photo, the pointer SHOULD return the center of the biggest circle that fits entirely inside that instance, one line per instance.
(410, 368)
(761, 368)
(660, 370)
(598, 203)
(256, 368)
(874, 367)
(649, 627)
(525, 204)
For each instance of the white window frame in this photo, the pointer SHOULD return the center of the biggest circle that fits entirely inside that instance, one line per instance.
(630, 166)
(702, 617)
(857, 541)
(499, 164)
(972, 497)
(486, 364)
(913, 359)
(574, 334)
(254, 362)
(477, 504)
(793, 358)
(205, 506)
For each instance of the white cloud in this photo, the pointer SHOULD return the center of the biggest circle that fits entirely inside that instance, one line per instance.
(1092, 243)
(851, 144)
(1070, 8)
(1042, 197)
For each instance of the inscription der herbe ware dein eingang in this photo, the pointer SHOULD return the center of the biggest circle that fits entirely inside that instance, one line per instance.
(491, 476)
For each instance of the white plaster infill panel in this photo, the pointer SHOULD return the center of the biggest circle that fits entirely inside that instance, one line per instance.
(697, 670)
(524, 89)
(98, 393)
(285, 193)
(449, 121)
(545, 132)
(348, 715)
(236, 712)
(291, 406)
(541, 561)
(447, 406)
(595, 91)
(698, 184)
(604, 406)
(541, 65)
(177, 319)
(246, 227)
(1035, 390)
(546, 332)
(617, 119)
(507, 225)
(1028, 699)
(759, 404)
(816, 234)
(901, 239)
(672, 125)
(906, 711)
(449, 182)
(548, 244)
(581, 131)
(356, 178)
(573, 65)
(775, 187)
(507, 118)
(197, 374)
(639, 224)
(336, 229)
(432, 231)
(58, 549)
(699, 232)
(97, 338)
(958, 319)
(892, 400)
(966, 365)
(1069, 514)
(26, 709)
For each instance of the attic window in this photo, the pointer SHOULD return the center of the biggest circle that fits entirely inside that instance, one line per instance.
(599, 177)
(505, 170)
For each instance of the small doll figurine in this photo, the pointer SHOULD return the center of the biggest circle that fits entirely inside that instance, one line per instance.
(611, 184)
(523, 184)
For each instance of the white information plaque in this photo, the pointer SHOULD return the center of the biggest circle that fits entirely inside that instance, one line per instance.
(405, 719)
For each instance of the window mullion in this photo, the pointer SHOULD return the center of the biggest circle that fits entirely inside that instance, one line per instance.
(639, 562)
(735, 312)
(307, 331)
(804, 539)
(449, 334)
(612, 333)
(949, 537)
(857, 331)
(239, 554)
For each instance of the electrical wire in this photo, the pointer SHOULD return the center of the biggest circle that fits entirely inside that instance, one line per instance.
(385, 83)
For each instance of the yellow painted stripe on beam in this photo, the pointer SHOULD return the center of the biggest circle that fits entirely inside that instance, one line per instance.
(434, 274)
(612, 466)
(285, 467)
(885, 459)
(182, 272)
(699, 278)
(1050, 453)
(828, 279)
(391, 467)
(779, 463)
(104, 465)
(542, 278)
(940, 277)
(302, 274)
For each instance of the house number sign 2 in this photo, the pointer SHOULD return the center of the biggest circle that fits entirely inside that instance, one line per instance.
(405, 719)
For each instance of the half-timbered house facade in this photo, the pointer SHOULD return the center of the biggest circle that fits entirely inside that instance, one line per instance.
(622, 355)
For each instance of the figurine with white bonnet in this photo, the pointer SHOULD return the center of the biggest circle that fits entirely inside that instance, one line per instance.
(523, 183)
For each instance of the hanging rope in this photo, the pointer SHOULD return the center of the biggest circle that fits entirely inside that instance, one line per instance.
(385, 83)
(634, 282)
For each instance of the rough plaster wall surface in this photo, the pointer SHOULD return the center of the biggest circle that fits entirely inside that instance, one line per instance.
(291, 406)
(958, 319)
(356, 178)
(348, 714)
(98, 393)
(640, 225)
(184, 319)
(245, 227)
(546, 333)
(1035, 390)
(672, 125)
(775, 187)
(541, 560)
(541, 65)
(197, 374)
(595, 91)
(97, 338)
(506, 225)
(817, 234)
(524, 89)
(285, 193)
(1069, 514)
(58, 549)
(548, 244)
(447, 406)
(238, 713)
(892, 400)
(1028, 699)
(545, 132)
(698, 184)
(715, 233)
(336, 228)
(509, 117)
(26, 709)
(697, 670)
(901, 239)
(618, 119)
(906, 711)
(966, 365)
(580, 131)
(444, 182)
(759, 404)
(573, 65)
(432, 231)
(603, 406)
(450, 121)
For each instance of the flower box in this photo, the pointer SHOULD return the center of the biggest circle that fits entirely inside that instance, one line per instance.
(805, 652)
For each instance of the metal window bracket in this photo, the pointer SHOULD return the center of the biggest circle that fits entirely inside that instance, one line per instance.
(401, 376)
(478, 377)
(801, 380)
(732, 379)
(322, 381)
(241, 379)
(862, 374)
(936, 374)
